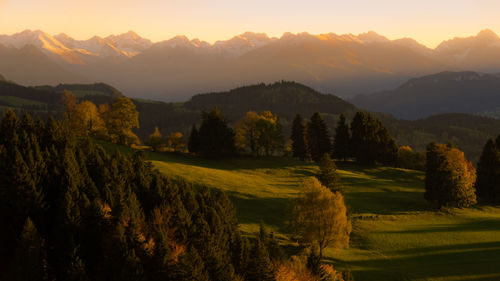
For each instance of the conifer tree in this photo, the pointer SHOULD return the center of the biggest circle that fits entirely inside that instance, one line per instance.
(298, 138)
(259, 268)
(341, 140)
(371, 141)
(193, 142)
(328, 174)
(216, 139)
(318, 141)
(27, 264)
(488, 172)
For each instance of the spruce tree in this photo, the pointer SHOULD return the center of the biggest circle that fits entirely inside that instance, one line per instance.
(216, 138)
(259, 268)
(371, 141)
(488, 172)
(193, 142)
(27, 263)
(341, 140)
(328, 174)
(298, 138)
(318, 141)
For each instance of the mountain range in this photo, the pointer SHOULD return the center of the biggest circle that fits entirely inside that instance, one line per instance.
(176, 69)
(445, 92)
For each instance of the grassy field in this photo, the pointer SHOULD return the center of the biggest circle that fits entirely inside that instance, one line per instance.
(395, 234)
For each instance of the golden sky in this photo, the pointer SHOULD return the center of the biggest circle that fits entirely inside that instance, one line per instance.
(427, 21)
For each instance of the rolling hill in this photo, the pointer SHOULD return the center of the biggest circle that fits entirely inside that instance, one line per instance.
(445, 92)
(395, 235)
(283, 98)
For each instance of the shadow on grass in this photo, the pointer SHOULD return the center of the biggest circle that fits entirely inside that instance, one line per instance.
(228, 163)
(475, 261)
(386, 203)
(473, 225)
(254, 210)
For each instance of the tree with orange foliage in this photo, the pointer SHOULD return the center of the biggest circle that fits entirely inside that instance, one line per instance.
(319, 217)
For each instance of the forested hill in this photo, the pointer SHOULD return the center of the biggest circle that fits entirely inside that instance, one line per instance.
(445, 92)
(2, 78)
(27, 98)
(283, 98)
(466, 131)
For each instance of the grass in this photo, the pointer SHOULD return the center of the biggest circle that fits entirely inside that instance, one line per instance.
(395, 234)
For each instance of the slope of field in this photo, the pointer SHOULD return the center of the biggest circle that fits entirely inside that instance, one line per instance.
(395, 234)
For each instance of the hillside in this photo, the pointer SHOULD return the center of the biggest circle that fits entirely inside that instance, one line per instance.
(445, 92)
(395, 235)
(467, 132)
(283, 98)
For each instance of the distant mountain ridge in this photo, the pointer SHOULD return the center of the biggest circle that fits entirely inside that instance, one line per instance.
(446, 92)
(176, 69)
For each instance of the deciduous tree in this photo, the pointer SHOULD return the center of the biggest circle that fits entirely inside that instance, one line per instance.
(319, 217)
(449, 177)
(122, 118)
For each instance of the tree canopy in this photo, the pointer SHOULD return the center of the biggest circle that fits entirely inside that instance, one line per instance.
(449, 177)
(259, 133)
(318, 140)
(371, 141)
(215, 137)
(319, 217)
(341, 139)
(488, 172)
(299, 146)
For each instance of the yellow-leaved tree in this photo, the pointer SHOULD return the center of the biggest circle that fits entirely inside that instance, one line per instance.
(83, 118)
(122, 117)
(259, 133)
(319, 217)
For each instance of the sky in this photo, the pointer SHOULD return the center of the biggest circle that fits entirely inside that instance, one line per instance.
(427, 21)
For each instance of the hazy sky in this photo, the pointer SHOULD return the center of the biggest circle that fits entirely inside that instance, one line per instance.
(428, 21)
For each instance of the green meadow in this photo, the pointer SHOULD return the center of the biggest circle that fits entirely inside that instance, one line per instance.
(396, 236)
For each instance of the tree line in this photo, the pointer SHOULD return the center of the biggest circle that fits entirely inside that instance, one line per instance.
(366, 140)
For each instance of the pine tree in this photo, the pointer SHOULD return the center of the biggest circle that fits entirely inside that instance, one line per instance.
(318, 141)
(27, 264)
(341, 140)
(328, 174)
(371, 141)
(193, 142)
(298, 138)
(259, 268)
(216, 139)
(488, 172)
